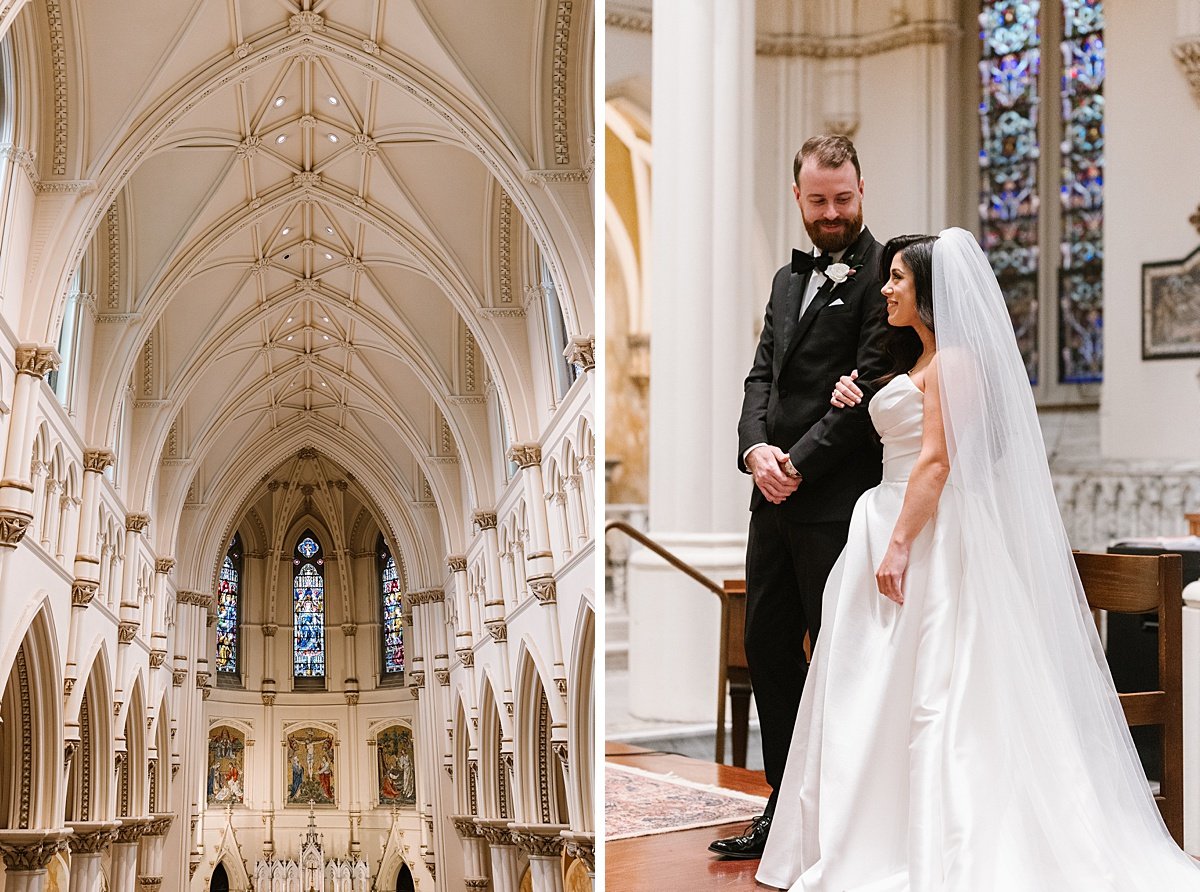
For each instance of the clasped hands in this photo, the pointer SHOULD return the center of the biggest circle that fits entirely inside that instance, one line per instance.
(769, 465)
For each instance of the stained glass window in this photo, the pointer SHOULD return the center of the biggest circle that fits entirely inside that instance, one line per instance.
(392, 610)
(1014, 76)
(1008, 158)
(308, 589)
(1081, 320)
(228, 594)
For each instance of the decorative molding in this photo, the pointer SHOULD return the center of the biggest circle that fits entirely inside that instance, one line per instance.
(504, 250)
(485, 520)
(164, 565)
(202, 678)
(306, 23)
(457, 563)
(352, 698)
(364, 145)
(268, 698)
(544, 589)
(30, 856)
(13, 525)
(91, 843)
(106, 318)
(113, 224)
(582, 847)
(1187, 54)
(68, 686)
(536, 177)
(628, 18)
(36, 361)
(137, 523)
(349, 630)
(443, 676)
(98, 460)
(24, 159)
(501, 312)
(816, 46)
(498, 629)
(466, 827)
(178, 677)
(58, 64)
(558, 82)
(416, 679)
(157, 658)
(82, 592)
(466, 656)
(306, 180)
(581, 352)
(536, 844)
(477, 883)
(526, 455)
(127, 631)
(195, 599)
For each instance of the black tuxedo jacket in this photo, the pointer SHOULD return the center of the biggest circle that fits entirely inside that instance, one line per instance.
(798, 361)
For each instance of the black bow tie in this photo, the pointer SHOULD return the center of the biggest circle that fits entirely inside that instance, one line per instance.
(804, 263)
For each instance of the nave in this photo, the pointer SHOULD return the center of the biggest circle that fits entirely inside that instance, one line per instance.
(296, 423)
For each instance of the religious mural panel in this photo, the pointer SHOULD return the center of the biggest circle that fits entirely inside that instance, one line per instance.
(311, 767)
(226, 765)
(397, 771)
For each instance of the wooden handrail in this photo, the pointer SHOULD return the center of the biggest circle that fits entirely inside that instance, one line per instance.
(684, 567)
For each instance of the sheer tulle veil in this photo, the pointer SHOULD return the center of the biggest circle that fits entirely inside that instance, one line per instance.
(1069, 756)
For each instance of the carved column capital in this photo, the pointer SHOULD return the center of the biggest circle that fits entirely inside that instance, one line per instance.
(544, 589)
(131, 830)
(164, 565)
(157, 658)
(349, 630)
(583, 847)
(82, 592)
(137, 523)
(485, 520)
(127, 631)
(443, 676)
(581, 352)
(91, 838)
(30, 850)
(98, 460)
(13, 524)
(526, 455)
(466, 827)
(1187, 54)
(539, 840)
(36, 361)
(159, 825)
(498, 629)
(269, 630)
(457, 563)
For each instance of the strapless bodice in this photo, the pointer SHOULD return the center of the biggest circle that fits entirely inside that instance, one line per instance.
(897, 412)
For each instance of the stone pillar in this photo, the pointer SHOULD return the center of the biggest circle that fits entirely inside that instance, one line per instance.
(87, 557)
(545, 589)
(150, 853)
(158, 622)
(506, 875)
(88, 844)
(573, 483)
(463, 639)
(124, 863)
(26, 854)
(135, 525)
(697, 499)
(544, 844)
(583, 847)
(540, 561)
(16, 487)
(475, 856)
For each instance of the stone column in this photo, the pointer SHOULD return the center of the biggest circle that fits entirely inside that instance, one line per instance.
(545, 589)
(16, 488)
(573, 483)
(158, 622)
(540, 561)
(131, 610)
(88, 844)
(124, 863)
(475, 856)
(701, 349)
(544, 844)
(506, 876)
(150, 853)
(583, 847)
(26, 854)
(463, 639)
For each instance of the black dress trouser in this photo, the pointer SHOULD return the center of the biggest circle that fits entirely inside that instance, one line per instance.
(787, 564)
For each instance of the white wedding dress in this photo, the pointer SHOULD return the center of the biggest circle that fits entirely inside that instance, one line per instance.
(928, 753)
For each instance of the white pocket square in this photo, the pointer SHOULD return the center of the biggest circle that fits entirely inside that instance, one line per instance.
(838, 303)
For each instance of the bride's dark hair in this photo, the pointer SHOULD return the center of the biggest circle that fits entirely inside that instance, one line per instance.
(901, 344)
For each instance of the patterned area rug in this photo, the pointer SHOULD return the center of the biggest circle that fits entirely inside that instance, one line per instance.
(640, 803)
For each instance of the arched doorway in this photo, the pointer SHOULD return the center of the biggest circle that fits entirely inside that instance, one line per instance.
(404, 880)
(220, 880)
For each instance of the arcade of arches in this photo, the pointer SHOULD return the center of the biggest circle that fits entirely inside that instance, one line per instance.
(296, 425)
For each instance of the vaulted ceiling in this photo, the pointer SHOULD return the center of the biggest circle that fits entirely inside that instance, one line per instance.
(314, 224)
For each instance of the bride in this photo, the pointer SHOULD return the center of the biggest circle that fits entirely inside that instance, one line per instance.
(959, 730)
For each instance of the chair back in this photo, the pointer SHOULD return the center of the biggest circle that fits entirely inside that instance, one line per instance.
(1124, 583)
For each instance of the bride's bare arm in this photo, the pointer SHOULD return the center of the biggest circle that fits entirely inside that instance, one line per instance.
(925, 486)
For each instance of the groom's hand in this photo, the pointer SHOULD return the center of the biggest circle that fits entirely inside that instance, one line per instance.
(766, 463)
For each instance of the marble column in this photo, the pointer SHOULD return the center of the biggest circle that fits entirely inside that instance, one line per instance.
(87, 557)
(463, 639)
(546, 591)
(124, 863)
(150, 852)
(33, 362)
(703, 54)
(26, 854)
(88, 844)
(528, 456)
(475, 856)
(543, 844)
(506, 868)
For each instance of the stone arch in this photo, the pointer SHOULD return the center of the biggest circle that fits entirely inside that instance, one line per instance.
(31, 735)
(90, 766)
(581, 719)
(539, 776)
(131, 757)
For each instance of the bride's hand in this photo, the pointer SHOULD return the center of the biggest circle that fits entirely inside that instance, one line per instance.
(890, 575)
(846, 392)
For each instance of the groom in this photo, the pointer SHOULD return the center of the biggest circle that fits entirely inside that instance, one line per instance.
(810, 462)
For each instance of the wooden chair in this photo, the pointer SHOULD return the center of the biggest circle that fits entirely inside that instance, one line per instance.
(737, 670)
(1121, 583)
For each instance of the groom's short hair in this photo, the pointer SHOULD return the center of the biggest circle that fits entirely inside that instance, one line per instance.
(830, 150)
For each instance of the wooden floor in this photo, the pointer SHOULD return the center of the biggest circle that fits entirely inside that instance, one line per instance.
(679, 860)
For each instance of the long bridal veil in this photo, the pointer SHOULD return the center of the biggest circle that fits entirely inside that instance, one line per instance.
(1041, 738)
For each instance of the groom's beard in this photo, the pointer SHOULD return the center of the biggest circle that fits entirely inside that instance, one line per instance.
(831, 240)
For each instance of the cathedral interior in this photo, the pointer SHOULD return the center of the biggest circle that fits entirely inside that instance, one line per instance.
(297, 430)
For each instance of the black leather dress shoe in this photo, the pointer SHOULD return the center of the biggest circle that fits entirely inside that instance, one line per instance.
(748, 845)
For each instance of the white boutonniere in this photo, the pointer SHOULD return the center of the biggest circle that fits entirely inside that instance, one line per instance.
(840, 272)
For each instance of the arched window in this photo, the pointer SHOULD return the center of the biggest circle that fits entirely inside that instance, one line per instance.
(1030, 148)
(308, 590)
(62, 379)
(563, 372)
(229, 592)
(392, 613)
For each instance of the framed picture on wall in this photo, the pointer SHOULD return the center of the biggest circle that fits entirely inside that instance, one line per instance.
(1171, 308)
(311, 767)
